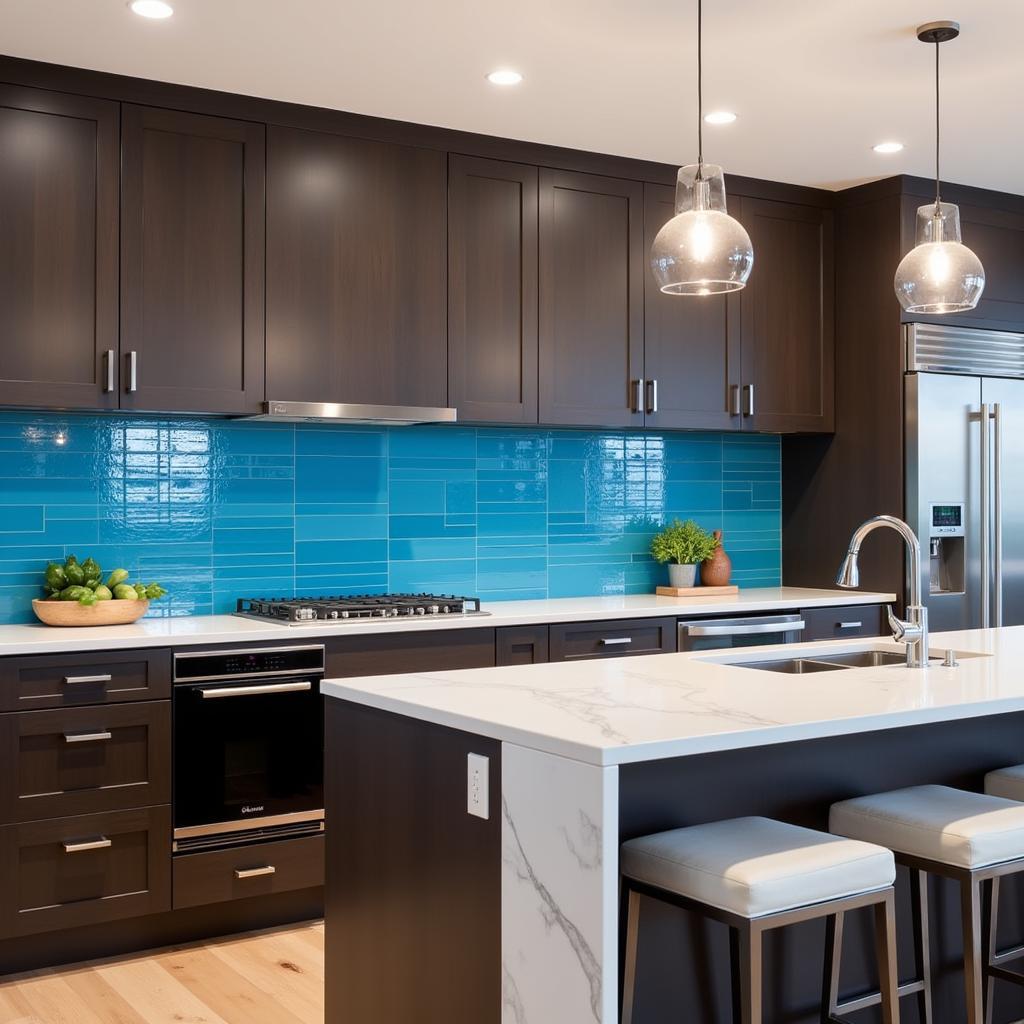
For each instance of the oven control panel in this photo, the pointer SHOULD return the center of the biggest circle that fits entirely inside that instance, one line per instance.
(254, 662)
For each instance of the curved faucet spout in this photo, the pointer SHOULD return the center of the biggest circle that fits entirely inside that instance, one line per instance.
(914, 631)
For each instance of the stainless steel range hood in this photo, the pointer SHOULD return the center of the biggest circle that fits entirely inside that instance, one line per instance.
(347, 412)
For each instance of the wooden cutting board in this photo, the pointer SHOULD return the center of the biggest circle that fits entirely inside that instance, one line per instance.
(729, 591)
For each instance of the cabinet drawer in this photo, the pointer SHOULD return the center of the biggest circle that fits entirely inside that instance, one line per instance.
(85, 870)
(572, 641)
(64, 680)
(427, 651)
(521, 645)
(222, 875)
(843, 623)
(84, 760)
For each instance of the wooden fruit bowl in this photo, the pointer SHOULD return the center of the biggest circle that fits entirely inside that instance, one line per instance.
(102, 613)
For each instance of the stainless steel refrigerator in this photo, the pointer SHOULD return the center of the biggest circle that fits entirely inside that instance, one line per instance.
(964, 409)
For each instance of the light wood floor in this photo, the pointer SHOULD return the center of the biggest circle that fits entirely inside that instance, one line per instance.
(273, 977)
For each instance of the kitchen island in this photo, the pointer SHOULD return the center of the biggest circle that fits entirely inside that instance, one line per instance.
(485, 890)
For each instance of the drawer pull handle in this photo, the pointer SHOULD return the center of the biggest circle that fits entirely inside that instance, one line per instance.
(100, 843)
(612, 641)
(105, 677)
(255, 872)
(87, 737)
(849, 625)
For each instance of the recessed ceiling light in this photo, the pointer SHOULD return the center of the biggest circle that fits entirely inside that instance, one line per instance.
(888, 147)
(151, 8)
(504, 77)
(720, 117)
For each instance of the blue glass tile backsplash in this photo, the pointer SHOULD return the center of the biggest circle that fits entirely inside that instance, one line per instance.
(217, 510)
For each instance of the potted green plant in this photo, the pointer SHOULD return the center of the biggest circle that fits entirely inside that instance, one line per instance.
(684, 546)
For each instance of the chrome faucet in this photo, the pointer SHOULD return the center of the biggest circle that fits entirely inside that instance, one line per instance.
(913, 631)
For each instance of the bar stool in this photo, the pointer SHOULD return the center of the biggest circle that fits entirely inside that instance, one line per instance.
(974, 839)
(755, 875)
(1007, 783)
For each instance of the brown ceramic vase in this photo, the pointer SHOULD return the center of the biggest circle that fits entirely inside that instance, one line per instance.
(715, 571)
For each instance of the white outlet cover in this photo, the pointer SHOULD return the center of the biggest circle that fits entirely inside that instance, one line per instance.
(477, 786)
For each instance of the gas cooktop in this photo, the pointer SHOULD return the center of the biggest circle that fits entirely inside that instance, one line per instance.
(302, 611)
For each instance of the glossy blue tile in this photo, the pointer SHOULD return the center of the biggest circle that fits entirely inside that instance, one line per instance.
(218, 509)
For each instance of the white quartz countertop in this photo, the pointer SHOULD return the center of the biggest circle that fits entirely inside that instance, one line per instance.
(629, 709)
(231, 629)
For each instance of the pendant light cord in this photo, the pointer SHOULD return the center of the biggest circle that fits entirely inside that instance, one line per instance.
(700, 92)
(938, 201)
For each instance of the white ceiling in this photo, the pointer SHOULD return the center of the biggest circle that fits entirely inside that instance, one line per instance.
(816, 82)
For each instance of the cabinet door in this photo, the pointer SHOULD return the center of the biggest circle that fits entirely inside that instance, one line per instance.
(58, 264)
(192, 262)
(591, 299)
(787, 318)
(691, 343)
(492, 290)
(356, 290)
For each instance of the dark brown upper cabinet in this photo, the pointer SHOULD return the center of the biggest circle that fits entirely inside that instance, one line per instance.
(192, 262)
(691, 344)
(591, 299)
(787, 318)
(492, 290)
(356, 290)
(58, 264)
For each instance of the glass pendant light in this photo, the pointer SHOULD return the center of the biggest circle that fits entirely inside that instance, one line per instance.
(701, 250)
(940, 274)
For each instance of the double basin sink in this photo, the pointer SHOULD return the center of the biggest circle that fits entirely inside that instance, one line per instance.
(807, 662)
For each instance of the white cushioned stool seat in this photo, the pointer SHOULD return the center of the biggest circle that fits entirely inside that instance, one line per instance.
(1007, 783)
(951, 826)
(756, 866)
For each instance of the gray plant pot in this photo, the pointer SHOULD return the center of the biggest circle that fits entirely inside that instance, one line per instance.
(682, 575)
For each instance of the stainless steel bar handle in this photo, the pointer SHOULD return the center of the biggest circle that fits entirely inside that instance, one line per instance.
(217, 692)
(104, 677)
(637, 403)
(613, 641)
(997, 507)
(652, 396)
(986, 491)
(748, 390)
(269, 869)
(133, 371)
(849, 625)
(734, 400)
(753, 630)
(108, 362)
(87, 737)
(81, 846)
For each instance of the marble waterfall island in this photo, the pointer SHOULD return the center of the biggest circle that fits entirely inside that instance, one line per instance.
(479, 890)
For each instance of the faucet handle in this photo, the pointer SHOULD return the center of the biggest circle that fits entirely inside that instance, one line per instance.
(903, 632)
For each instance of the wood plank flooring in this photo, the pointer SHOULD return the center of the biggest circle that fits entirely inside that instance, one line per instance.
(271, 977)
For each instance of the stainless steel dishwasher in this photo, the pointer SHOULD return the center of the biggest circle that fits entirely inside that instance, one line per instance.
(748, 631)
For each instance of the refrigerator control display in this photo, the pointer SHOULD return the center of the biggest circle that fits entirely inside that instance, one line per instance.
(947, 520)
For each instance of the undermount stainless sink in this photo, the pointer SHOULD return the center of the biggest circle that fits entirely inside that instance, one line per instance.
(827, 662)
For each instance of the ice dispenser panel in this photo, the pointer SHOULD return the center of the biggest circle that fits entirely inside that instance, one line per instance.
(947, 551)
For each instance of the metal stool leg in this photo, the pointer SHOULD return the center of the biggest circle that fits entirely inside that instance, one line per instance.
(885, 952)
(747, 965)
(991, 945)
(632, 937)
(833, 958)
(970, 908)
(922, 942)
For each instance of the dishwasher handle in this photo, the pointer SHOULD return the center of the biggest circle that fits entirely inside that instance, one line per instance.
(750, 629)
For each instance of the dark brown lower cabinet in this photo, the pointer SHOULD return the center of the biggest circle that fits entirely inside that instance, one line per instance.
(219, 876)
(575, 641)
(84, 870)
(429, 651)
(843, 623)
(83, 760)
(521, 645)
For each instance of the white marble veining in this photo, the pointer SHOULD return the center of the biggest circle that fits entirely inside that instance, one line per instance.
(559, 871)
(226, 629)
(622, 710)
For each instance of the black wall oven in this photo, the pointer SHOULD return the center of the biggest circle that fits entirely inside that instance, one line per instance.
(248, 745)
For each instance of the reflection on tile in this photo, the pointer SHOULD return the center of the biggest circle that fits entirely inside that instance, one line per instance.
(219, 509)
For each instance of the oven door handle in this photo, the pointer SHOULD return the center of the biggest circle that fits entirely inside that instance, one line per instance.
(751, 630)
(216, 692)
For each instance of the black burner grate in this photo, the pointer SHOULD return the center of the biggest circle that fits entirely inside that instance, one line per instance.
(361, 606)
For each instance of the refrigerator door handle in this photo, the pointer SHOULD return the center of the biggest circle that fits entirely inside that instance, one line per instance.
(997, 505)
(986, 494)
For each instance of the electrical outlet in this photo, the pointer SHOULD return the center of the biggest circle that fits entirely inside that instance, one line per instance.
(477, 800)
